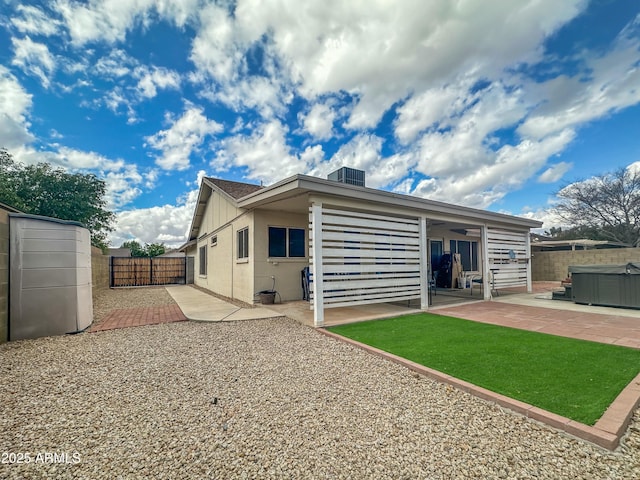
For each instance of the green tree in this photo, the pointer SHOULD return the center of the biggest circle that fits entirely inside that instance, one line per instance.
(606, 207)
(135, 248)
(43, 190)
(154, 249)
(149, 249)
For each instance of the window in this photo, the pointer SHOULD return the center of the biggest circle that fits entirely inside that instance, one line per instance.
(243, 243)
(468, 253)
(286, 242)
(203, 260)
(214, 240)
(296, 242)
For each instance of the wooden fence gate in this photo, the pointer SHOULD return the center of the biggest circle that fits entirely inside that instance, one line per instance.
(141, 271)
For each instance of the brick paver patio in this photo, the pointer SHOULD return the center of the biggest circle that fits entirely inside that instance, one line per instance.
(612, 329)
(136, 317)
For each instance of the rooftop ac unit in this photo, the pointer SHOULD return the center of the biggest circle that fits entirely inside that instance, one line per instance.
(348, 175)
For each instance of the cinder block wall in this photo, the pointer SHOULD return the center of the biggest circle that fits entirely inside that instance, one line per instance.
(553, 266)
(4, 275)
(99, 270)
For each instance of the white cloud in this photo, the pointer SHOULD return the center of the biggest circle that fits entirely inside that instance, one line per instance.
(466, 142)
(548, 218)
(115, 65)
(318, 122)
(182, 138)
(120, 68)
(432, 108)
(33, 58)
(107, 21)
(122, 186)
(634, 168)
(215, 49)
(110, 20)
(152, 78)
(77, 159)
(487, 183)
(15, 104)
(265, 154)
(166, 223)
(568, 102)
(381, 53)
(555, 172)
(33, 20)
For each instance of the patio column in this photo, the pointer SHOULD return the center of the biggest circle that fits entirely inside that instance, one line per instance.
(316, 264)
(486, 283)
(528, 247)
(424, 267)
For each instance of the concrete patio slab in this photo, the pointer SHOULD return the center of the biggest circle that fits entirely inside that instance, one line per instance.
(200, 306)
(300, 311)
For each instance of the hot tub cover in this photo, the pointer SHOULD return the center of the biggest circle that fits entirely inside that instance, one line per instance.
(624, 269)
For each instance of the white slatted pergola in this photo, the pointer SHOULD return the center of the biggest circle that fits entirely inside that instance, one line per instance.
(358, 258)
(507, 258)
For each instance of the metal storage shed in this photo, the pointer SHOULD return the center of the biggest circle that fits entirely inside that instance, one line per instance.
(50, 277)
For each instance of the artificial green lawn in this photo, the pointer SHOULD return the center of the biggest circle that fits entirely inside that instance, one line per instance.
(573, 378)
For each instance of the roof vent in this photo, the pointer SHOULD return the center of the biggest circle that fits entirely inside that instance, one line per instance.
(348, 175)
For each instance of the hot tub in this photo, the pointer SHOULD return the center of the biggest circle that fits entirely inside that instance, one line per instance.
(606, 285)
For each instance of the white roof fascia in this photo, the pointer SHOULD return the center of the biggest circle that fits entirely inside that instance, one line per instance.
(441, 210)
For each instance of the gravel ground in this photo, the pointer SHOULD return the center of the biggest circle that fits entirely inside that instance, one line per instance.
(262, 399)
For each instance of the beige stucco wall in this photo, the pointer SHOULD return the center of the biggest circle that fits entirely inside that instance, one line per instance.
(243, 269)
(226, 275)
(219, 277)
(4, 275)
(553, 266)
(286, 271)
(219, 211)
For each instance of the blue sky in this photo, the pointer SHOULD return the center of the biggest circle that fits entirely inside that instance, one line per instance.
(494, 105)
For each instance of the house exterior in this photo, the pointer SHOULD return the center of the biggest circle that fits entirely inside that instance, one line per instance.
(361, 245)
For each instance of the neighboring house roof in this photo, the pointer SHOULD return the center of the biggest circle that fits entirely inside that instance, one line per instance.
(172, 253)
(292, 187)
(572, 244)
(185, 246)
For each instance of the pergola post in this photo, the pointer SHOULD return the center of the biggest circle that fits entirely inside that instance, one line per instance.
(424, 266)
(528, 250)
(486, 280)
(316, 265)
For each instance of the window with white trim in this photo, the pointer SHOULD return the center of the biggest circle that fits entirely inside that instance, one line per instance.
(286, 242)
(243, 243)
(203, 260)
